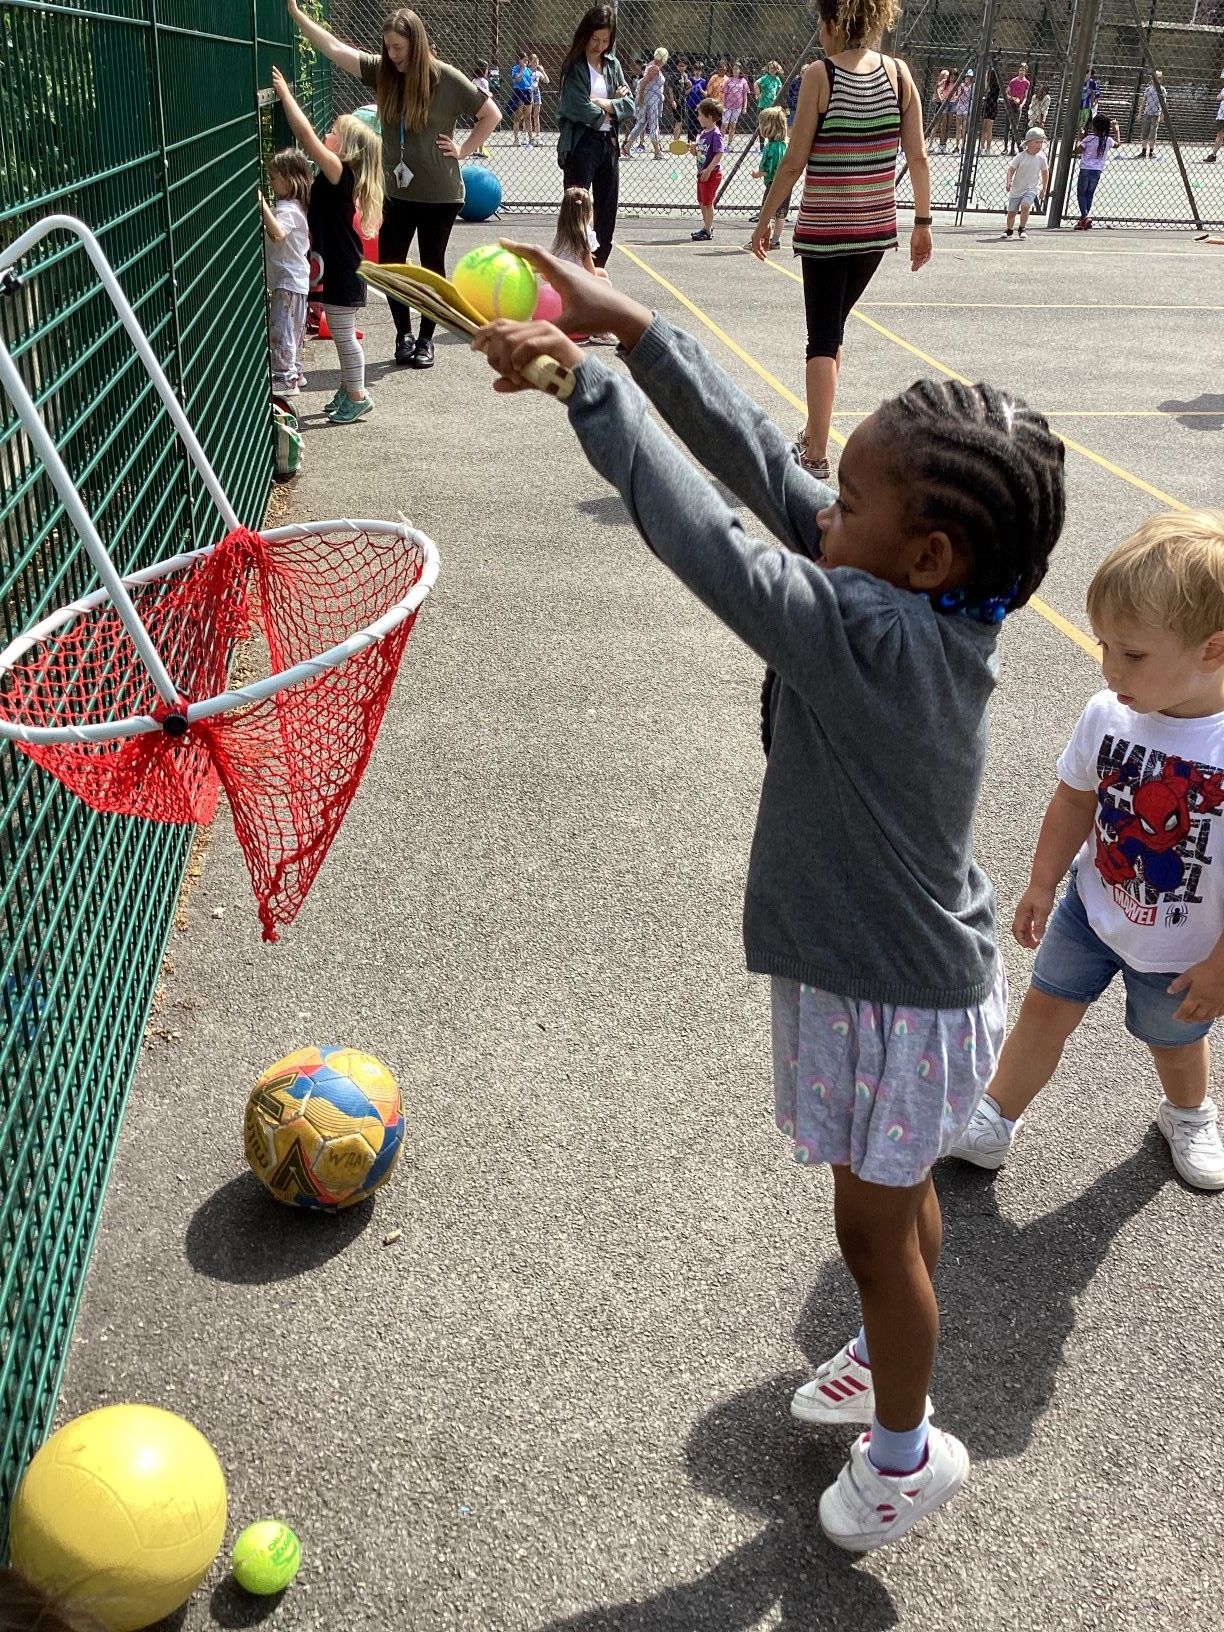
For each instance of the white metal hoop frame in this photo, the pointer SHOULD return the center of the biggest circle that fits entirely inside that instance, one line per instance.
(137, 725)
(115, 588)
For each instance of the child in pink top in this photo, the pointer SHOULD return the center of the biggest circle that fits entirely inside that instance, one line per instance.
(735, 100)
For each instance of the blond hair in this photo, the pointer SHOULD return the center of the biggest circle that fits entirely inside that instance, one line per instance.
(406, 94)
(1169, 574)
(860, 21)
(574, 222)
(361, 149)
(772, 124)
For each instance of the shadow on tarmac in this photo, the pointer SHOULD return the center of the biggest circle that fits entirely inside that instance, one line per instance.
(241, 1235)
(1011, 1292)
(1203, 413)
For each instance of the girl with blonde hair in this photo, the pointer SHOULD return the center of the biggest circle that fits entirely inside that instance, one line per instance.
(349, 186)
(420, 101)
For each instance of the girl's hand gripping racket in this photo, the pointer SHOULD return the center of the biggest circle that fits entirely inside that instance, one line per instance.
(436, 297)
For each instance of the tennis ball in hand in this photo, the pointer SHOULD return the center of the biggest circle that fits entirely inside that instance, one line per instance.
(266, 1557)
(497, 283)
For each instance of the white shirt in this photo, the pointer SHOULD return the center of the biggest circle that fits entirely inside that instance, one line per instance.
(1029, 173)
(599, 92)
(288, 263)
(1151, 875)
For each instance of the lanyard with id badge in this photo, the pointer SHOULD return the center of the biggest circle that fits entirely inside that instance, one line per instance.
(402, 174)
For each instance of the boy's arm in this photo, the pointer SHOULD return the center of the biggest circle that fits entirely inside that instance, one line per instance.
(1069, 819)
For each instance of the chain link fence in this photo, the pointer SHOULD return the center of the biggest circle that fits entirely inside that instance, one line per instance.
(972, 123)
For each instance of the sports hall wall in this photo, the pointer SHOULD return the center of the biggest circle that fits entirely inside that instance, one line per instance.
(142, 117)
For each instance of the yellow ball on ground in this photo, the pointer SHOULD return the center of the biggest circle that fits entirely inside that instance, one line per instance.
(120, 1514)
(497, 283)
(267, 1556)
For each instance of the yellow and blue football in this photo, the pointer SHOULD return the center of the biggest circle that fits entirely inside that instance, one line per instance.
(324, 1127)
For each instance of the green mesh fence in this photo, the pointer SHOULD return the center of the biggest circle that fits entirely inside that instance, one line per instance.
(142, 117)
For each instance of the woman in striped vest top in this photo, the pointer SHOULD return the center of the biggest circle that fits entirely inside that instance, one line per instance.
(855, 108)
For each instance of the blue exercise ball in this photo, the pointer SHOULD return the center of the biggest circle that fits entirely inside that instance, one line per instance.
(482, 193)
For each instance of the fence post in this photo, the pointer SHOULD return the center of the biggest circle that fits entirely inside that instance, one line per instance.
(973, 123)
(1144, 46)
(1086, 24)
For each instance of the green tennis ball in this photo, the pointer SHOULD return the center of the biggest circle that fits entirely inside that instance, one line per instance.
(267, 1556)
(497, 283)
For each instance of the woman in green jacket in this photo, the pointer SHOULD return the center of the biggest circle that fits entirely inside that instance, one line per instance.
(594, 101)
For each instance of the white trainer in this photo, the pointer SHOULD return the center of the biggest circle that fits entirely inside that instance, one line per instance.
(986, 1141)
(841, 1391)
(1194, 1143)
(866, 1508)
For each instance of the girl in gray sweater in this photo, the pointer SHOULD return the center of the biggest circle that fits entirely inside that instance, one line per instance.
(864, 904)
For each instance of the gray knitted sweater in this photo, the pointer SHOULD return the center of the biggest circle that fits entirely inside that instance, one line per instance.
(861, 878)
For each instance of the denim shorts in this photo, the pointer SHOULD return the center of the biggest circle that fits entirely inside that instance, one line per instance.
(1016, 199)
(1074, 963)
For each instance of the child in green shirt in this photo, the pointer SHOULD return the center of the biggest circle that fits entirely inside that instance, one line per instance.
(772, 127)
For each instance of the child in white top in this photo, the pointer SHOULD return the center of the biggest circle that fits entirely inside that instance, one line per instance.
(1028, 180)
(1096, 142)
(287, 265)
(1138, 817)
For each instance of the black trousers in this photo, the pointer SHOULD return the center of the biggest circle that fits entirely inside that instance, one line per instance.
(431, 225)
(594, 162)
(830, 288)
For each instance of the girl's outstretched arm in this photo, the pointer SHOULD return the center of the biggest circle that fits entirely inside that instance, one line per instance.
(803, 621)
(721, 425)
(344, 56)
(328, 162)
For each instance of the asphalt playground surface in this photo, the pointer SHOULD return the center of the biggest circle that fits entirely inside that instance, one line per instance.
(558, 1400)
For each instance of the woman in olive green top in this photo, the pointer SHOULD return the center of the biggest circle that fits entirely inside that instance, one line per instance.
(594, 100)
(419, 102)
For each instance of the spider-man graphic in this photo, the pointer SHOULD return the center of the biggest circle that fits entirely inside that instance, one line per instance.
(1144, 840)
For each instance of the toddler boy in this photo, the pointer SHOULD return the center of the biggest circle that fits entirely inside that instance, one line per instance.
(709, 149)
(1138, 817)
(1028, 180)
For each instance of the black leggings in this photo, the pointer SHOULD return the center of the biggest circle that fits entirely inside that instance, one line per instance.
(594, 162)
(830, 289)
(431, 224)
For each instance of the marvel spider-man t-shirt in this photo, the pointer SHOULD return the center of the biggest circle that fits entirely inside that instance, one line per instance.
(1151, 875)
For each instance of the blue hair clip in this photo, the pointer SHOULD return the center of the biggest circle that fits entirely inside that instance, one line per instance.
(992, 609)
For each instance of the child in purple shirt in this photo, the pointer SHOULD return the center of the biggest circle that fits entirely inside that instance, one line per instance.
(709, 150)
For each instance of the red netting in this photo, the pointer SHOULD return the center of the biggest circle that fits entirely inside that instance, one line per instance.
(290, 764)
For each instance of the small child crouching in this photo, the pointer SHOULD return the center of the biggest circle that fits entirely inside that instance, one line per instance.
(1138, 817)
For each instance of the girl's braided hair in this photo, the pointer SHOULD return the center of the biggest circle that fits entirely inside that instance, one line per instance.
(985, 468)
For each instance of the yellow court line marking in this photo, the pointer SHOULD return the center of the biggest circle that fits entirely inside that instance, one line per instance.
(732, 345)
(1064, 626)
(951, 374)
(1039, 606)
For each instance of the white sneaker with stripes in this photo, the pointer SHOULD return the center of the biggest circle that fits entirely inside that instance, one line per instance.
(841, 1391)
(867, 1508)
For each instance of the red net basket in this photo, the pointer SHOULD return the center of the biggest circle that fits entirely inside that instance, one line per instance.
(340, 603)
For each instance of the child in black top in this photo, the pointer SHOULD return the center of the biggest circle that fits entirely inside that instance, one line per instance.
(348, 187)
